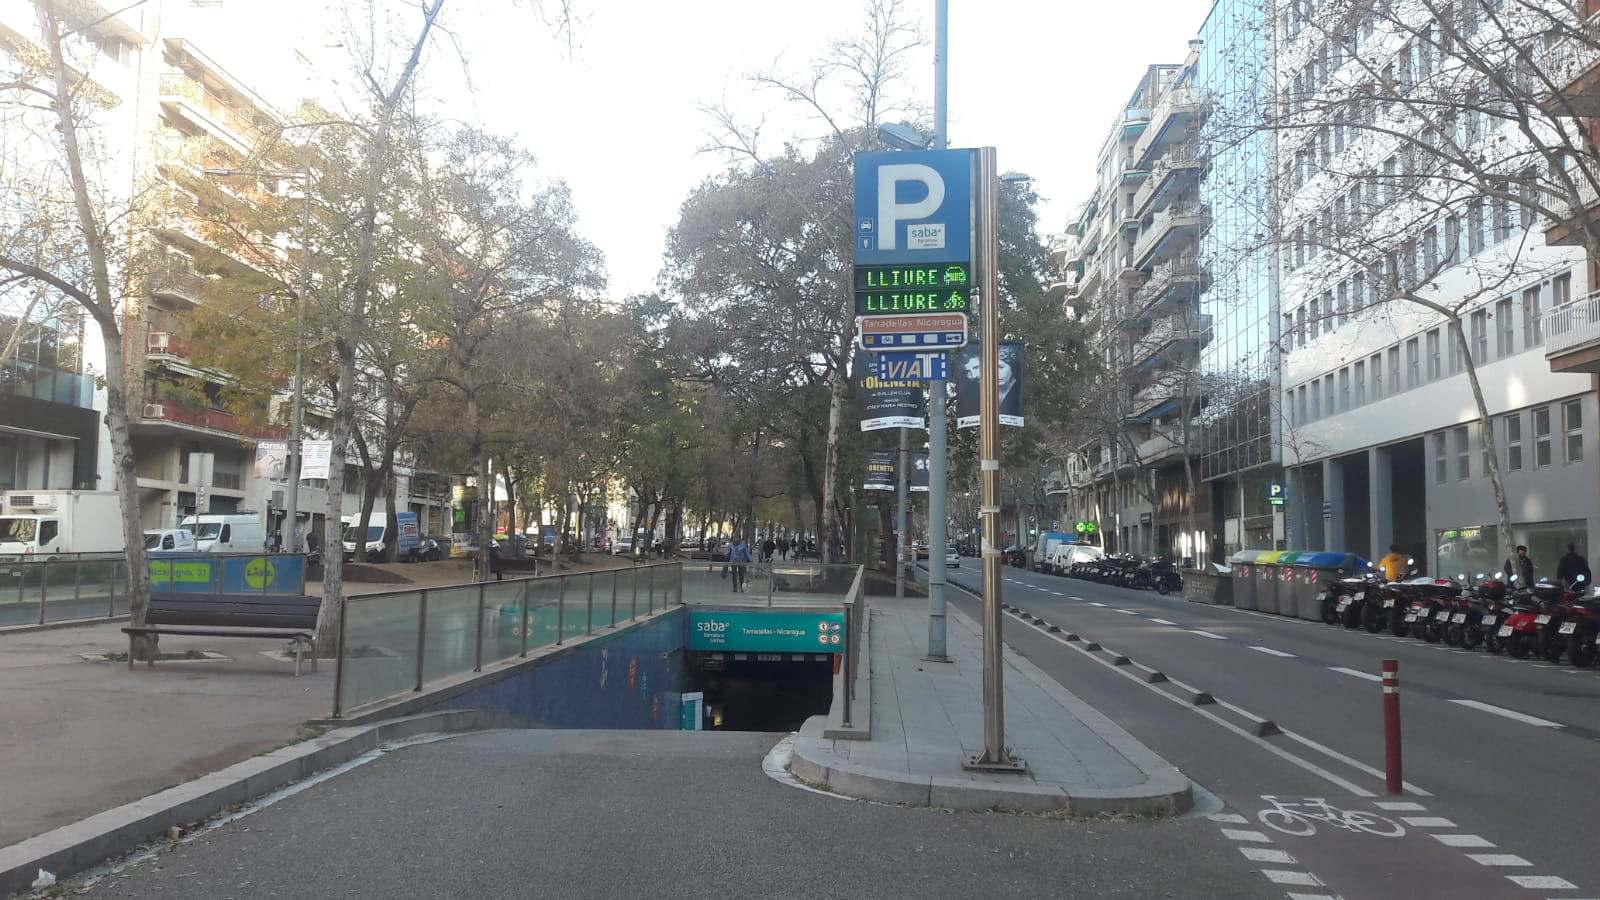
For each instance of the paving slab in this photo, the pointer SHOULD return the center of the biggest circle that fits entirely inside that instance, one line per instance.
(927, 718)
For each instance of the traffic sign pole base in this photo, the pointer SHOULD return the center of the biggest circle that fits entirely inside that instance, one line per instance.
(980, 762)
(937, 659)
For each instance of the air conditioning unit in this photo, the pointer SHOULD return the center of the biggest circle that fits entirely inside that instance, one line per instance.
(159, 341)
(155, 411)
(19, 502)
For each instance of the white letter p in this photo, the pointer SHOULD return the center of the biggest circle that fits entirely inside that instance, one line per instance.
(891, 213)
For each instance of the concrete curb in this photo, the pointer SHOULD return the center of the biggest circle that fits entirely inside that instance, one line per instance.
(83, 844)
(60, 623)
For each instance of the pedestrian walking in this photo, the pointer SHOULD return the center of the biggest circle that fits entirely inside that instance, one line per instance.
(768, 547)
(738, 559)
(783, 549)
(1571, 566)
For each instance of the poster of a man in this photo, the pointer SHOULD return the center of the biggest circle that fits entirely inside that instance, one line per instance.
(970, 363)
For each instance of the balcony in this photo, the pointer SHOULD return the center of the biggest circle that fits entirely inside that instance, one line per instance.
(1170, 175)
(166, 345)
(1568, 230)
(1162, 444)
(1572, 335)
(1171, 339)
(164, 413)
(181, 285)
(1171, 233)
(1169, 122)
(189, 99)
(1182, 278)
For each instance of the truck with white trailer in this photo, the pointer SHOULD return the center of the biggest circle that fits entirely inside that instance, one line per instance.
(56, 524)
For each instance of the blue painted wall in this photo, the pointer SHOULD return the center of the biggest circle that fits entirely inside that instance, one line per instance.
(631, 679)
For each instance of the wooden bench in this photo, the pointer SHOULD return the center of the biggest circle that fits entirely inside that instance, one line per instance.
(232, 615)
(507, 564)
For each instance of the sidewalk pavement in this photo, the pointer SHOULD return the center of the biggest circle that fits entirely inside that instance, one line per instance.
(927, 717)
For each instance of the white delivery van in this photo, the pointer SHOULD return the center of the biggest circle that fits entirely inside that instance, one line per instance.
(237, 533)
(174, 540)
(50, 524)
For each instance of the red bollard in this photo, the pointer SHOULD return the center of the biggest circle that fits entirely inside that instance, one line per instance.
(1391, 727)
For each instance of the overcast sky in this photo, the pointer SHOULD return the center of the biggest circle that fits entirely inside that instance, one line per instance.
(618, 117)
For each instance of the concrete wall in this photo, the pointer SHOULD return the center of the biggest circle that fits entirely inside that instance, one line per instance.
(628, 679)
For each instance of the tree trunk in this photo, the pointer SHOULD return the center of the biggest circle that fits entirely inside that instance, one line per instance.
(1486, 429)
(830, 468)
(101, 306)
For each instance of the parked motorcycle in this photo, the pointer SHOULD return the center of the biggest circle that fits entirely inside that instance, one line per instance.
(1582, 624)
(1164, 577)
(1534, 628)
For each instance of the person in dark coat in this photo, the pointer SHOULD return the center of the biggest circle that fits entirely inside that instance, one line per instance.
(768, 547)
(1520, 566)
(1571, 566)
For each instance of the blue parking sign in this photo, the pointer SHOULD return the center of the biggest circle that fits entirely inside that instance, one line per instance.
(913, 207)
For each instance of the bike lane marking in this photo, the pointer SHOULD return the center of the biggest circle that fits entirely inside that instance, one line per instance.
(1271, 652)
(1165, 622)
(1203, 633)
(1357, 673)
(1508, 713)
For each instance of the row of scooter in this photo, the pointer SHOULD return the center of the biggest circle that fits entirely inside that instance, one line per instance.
(1546, 620)
(1130, 572)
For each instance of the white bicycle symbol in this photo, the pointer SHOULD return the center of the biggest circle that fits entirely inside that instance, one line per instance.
(1299, 818)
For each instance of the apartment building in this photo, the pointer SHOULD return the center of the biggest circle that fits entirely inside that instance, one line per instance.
(1132, 270)
(1382, 242)
(51, 436)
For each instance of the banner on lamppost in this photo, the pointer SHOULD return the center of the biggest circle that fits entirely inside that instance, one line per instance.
(272, 460)
(968, 369)
(919, 472)
(888, 404)
(314, 458)
(880, 471)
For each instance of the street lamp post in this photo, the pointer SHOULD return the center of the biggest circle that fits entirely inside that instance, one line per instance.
(296, 420)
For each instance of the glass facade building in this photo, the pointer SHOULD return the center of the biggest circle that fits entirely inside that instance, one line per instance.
(48, 427)
(1239, 367)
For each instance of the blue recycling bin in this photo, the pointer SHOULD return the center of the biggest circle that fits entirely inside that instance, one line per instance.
(1311, 570)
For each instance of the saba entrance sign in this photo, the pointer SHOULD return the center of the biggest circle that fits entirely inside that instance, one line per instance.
(913, 241)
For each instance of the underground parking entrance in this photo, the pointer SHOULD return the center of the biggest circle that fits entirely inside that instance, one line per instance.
(763, 670)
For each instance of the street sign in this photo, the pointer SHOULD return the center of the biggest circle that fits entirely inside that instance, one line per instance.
(913, 207)
(769, 631)
(1275, 494)
(933, 365)
(906, 332)
(936, 287)
(1327, 509)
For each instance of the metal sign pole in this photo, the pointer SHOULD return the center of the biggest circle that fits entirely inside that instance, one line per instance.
(986, 257)
(938, 533)
(901, 476)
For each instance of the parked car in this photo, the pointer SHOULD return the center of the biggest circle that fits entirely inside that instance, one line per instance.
(952, 557)
(625, 545)
(433, 548)
(921, 549)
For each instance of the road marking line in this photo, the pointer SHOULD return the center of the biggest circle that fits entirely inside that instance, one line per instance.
(1129, 612)
(1228, 818)
(1267, 855)
(1463, 841)
(1356, 672)
(1167, 622)
(1498, 859)
(1079, 599)
(1097, 603)
(1509, 713)
(1241, 834)
(1286, 876)
(1427, 822)
(1353, 763)
(1214, 637)
(1398, 806)
(1542, 882)
(1272, 652)
(1294, 896)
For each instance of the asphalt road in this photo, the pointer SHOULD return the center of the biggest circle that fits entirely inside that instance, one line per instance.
(660, 814)
(1503, 749)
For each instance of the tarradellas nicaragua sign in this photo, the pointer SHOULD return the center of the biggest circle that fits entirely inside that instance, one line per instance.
(792, 632)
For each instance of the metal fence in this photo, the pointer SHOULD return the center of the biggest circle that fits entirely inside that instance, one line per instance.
(395, 642)
(772, 584)
(91, 586)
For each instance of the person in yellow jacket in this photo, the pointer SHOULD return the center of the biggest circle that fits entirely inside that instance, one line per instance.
(1393, 565)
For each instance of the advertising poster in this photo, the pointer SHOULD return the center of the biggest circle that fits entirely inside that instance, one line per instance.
(968, 370)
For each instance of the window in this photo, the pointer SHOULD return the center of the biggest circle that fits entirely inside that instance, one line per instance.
(1512, 425)
(1463, 454)
(1413, 364)
(1394, 371)
(1358, 292)
(1572, 425)
(1288, 408)
(1316, 400)
(1300, 326)
(1314, 320)
(1434, 371)
(1452, 240)
(1301, 403)
(1561, 287)
(1327, 394)
(1430, 251)
(1454, 351)
(1505, 335)
(1377, 376)
(1532, 318)
(1502, 219)
(1441, 460)
(1343, 302)
(1480, 336)
(1361, 382)
(1541, 437)
(1344, 390)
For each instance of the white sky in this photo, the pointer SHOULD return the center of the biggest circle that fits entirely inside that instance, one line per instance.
(618, 118)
